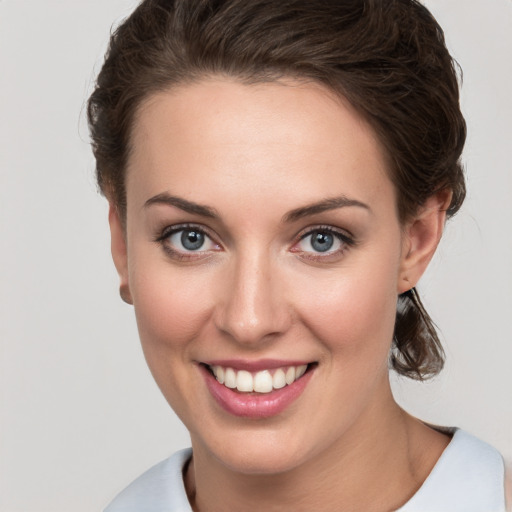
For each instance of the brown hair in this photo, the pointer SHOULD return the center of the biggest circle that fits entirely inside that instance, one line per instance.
(387, 57)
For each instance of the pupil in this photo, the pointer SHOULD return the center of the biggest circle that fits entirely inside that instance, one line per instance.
(192, 240)
(322, 242)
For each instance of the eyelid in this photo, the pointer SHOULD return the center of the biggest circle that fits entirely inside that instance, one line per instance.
(167, 231)
(186, 256)
(346, 241)
(343, 234)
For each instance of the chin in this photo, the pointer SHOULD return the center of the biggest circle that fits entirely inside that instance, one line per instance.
(261, 461)
(257, 452)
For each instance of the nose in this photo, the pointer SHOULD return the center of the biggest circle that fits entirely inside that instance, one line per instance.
(251, 308)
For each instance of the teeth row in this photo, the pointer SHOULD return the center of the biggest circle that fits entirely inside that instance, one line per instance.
(260, 382)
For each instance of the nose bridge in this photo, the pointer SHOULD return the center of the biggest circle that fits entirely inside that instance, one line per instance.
(253, 307)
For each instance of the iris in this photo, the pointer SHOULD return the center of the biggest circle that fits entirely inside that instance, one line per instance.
(192, 240)
(322, 241)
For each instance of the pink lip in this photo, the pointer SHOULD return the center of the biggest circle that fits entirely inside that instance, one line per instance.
(255, 405)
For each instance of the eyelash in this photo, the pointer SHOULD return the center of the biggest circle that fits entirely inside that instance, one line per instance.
(346, 241)
(168, 231)
(343, 238)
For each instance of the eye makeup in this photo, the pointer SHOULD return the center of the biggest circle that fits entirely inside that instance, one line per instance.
(187, 242)
(193, 242)
(322, 243)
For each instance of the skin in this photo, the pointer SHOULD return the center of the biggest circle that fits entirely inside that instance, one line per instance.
(257, 289)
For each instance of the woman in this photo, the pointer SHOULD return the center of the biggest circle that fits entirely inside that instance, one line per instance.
(279, 175)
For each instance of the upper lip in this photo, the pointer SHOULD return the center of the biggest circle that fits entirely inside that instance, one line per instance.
(255, 366)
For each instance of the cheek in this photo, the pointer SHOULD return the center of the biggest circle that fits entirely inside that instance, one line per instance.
(171, 312)
(353, 313)
(170, 305)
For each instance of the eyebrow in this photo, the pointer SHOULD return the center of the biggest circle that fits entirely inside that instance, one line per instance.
(322, 206)
(182, 204)
(294, 215)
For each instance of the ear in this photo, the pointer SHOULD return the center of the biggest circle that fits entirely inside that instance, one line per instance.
(421, 238)
(119, 252)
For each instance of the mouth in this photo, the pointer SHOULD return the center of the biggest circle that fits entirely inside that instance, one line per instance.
(256, 390)
(262, 381)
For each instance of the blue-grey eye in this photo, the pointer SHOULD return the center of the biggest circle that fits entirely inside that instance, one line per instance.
(322, 241)
(186, 240)
(187, 243)
(192, 240)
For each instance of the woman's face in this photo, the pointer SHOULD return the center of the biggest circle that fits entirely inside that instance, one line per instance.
(262, 237)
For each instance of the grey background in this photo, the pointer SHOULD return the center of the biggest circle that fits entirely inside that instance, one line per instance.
(79, 413)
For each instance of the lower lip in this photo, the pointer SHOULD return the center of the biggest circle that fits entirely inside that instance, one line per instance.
(261, 405)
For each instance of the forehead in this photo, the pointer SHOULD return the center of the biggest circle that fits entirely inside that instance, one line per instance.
(278, 141)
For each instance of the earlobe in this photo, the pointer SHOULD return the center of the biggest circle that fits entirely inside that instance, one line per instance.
(119, 252)
(421, 238)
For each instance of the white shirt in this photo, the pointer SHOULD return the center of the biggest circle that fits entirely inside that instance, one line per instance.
(468, 477)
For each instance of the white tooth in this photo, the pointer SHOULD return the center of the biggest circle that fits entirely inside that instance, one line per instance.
(263, 382)
(219, 373)
(244, 381)
(290, 375)
(230, 378)
(279, 379)
(301, 370)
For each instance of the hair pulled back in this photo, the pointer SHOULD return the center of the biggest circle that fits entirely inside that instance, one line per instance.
(386, 57)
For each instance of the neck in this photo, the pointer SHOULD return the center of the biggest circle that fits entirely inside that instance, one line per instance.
(376, 465)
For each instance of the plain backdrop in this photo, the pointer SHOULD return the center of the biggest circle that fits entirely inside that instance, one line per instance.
(80, 415)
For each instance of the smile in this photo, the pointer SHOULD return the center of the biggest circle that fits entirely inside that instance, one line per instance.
(256, 390)
(264, 381)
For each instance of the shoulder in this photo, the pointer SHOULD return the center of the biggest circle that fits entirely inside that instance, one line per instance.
(468, 477)
(159, 489)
